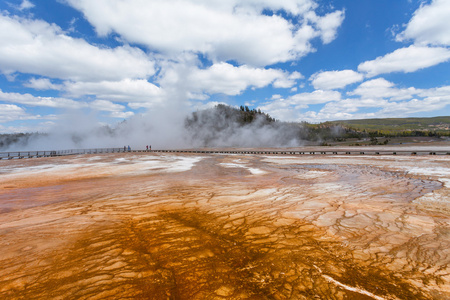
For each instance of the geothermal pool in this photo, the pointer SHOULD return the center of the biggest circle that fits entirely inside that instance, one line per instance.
(217, 226)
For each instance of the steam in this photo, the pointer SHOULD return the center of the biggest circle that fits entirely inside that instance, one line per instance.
(170, 128)
(80, 131)
(222, 127)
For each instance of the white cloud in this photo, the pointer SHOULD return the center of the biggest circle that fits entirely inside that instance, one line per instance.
(37, 47)
(429, 25)
(381, 88)
(377, 98)
(106, 105)
(348, 109)
(42, 84)
(28, 99)
(317, 117)
(30, 126)
(414, 106)
(328, 25)
(10, 112)
(121, 115)
(287, 81)
(223, 78)
(26, 5)
(230, 80)
(405, 60)
(316, 97)
(135, 90)
(381, 105)
(290, 109)
(335, 79)
(222, 30)
(351, 105)
(282, 109)
(443, 92)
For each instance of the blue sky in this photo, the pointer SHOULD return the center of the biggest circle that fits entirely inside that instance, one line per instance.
(298, 60)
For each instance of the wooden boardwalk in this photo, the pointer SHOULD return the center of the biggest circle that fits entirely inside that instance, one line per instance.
(318, 151)
(50, 153)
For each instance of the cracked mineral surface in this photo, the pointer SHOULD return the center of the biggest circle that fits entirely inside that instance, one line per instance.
(217, 226)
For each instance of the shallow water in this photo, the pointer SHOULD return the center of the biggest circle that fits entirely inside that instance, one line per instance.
(184, 226)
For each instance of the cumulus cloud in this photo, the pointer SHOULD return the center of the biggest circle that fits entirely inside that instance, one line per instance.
(328, 24)
(121, 114)
(126, 90)
(227, 79)
(11, 112)
(26, 5)
(28, 99)
(106, 106)
(36, 47)
(406, 60)
(287, 81)
(117, 110)
(330, 80)
(222, 30)
(316, 97)
(381, 88)
(356, 108)
(343, 110)
(320, 116)
(42, 84)
(289, 109)
(351, 105)
(414, 106)
(429, 25)
(443, 92)
(239, 38)
(380, 98)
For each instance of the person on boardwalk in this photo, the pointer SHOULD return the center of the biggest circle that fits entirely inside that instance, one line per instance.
(129, 149)
(147, 147)
(124, 148)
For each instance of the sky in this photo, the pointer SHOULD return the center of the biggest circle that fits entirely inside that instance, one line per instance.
(297, 60)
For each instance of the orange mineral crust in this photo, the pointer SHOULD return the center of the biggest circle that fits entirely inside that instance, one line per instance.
(225, 226)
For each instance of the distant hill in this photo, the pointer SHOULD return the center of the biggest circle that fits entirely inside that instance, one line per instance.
(395, 122)
(400, 126)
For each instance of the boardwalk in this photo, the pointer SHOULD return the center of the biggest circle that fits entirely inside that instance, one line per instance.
(49, 153)
(299, 151)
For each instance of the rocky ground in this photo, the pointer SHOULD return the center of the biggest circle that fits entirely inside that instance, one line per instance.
(215, 226)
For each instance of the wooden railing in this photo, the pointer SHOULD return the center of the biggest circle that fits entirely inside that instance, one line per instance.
(49, 153)
(318, 152)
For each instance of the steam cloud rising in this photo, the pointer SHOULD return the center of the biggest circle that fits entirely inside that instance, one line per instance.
(221, 126)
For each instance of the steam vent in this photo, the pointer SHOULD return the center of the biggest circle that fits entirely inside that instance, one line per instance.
(225, 226)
